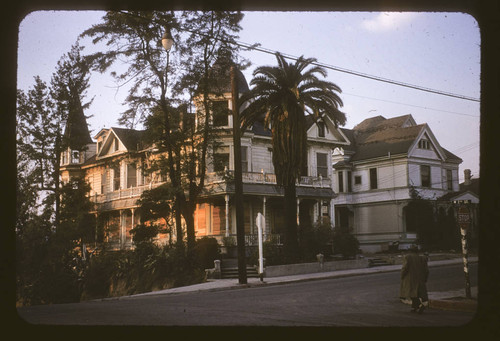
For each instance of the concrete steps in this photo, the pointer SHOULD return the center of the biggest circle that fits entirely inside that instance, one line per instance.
(229, 269)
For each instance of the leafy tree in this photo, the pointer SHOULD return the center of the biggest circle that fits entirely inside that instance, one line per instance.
(162, 84)
(282, 96)
(420, 219)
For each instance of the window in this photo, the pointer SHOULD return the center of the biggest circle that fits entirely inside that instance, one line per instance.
(244, 159)
(99, 145)
(325, 211)
(424, 144)
(75, 156)
(322, 164)
(64, 157)
(116, 178)
(116, 144)
(220, 111)
(349, 181)
(221, 159)
(131, 175)
(425, 175)
(321, 129)
(341, 181)
(357, 180)
(103, 181)
(373, 178)
(449, 179)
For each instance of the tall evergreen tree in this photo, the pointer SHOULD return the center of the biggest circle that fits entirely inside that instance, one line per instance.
(282, 96)
(41, 114)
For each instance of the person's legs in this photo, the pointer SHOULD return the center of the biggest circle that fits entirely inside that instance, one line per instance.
(415, 304)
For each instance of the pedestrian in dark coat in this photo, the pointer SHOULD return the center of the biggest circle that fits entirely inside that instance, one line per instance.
(414, 273)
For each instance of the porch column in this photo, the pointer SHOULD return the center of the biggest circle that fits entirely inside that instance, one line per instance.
(332, 212)
(264, 214)
(122, 229)
(227, 214)
(250, 213)
(317, 211)
(298, 202)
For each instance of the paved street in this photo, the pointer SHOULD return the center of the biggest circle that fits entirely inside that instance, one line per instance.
(363, 300)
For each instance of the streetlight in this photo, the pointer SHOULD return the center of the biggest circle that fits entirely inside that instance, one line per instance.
(167, 41)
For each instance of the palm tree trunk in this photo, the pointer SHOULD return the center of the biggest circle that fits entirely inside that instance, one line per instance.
(291, 246)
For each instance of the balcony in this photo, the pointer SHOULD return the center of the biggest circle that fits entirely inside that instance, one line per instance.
(212, 178)
(267, 178)
(127, 193)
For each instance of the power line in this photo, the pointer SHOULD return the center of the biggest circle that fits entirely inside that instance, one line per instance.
(360, 74)
(410, 105)
(258, 47)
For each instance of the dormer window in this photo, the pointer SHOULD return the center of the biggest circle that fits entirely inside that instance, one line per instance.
(75, 156)
(424, 144)
(321, 129)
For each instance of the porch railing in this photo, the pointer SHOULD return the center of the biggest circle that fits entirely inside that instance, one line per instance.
(250, 239)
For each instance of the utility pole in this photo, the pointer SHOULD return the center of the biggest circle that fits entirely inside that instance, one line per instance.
(464, 222)
(238, 184)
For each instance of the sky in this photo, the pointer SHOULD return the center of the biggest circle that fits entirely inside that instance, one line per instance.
(439, 51)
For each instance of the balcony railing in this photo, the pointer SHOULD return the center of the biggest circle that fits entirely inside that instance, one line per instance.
(266, 178)
(247, 177)
(126, 193)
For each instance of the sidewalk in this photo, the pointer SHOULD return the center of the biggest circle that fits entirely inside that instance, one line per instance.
(449, 300)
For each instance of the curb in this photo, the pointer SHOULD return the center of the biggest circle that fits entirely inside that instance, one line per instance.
(455, 304)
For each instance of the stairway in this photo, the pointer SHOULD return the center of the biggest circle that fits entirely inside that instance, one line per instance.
(377, 262)
(229, 269)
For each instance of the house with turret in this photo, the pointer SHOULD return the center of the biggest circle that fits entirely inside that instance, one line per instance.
(113, 166)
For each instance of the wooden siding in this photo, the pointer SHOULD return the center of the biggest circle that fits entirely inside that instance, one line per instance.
(384, 218)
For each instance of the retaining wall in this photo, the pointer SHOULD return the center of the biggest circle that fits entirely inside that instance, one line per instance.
(305, 268)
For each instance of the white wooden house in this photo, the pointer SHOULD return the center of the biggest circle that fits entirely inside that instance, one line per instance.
(374, 173)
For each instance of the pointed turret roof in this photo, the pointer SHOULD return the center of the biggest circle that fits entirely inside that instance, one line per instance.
(76, 134)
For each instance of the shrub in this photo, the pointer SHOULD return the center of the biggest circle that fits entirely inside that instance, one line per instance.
(144, 233)
(345, 243)
(315, 239)
(205, 252)
(98, 275)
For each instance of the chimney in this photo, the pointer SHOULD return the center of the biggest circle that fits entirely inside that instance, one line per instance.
(467, 177)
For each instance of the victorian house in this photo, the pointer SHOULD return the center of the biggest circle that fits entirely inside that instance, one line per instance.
(113, 166)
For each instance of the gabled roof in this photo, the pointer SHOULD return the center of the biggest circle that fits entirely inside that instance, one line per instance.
(452, 196)
(131, 138)
(378, 136)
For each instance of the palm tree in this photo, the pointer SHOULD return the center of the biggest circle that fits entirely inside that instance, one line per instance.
(281, 97)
